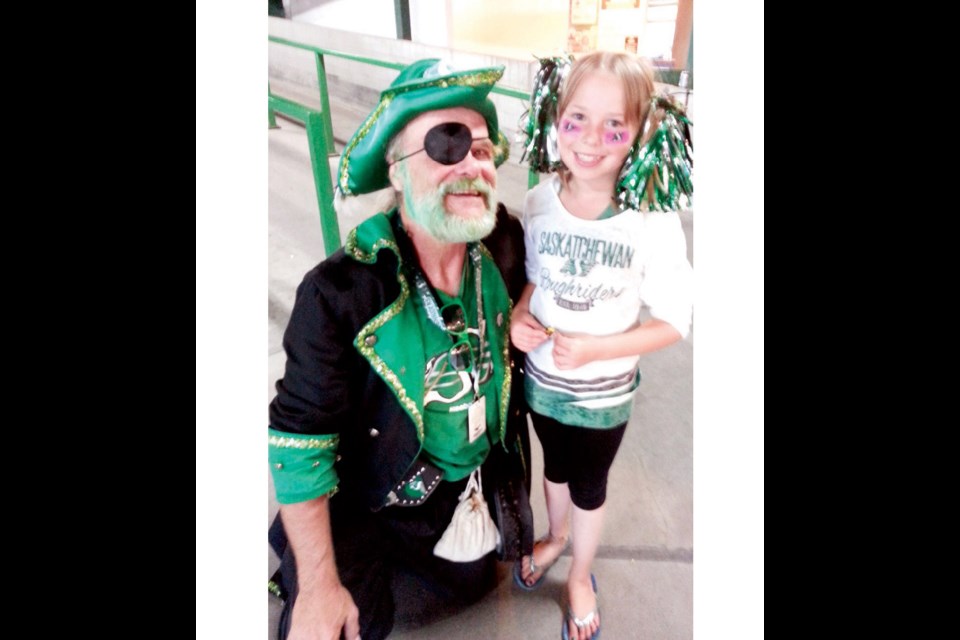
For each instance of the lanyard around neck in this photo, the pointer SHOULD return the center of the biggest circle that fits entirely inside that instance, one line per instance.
(429, 297)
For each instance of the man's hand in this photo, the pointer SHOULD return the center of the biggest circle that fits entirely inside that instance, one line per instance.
(322, 613)
(323, 606)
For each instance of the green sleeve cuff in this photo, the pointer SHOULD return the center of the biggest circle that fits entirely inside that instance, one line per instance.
(302, 465)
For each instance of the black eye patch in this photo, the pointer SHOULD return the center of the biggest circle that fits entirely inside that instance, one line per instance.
(446, 143)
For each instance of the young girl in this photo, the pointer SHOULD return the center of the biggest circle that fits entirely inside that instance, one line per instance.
(596, 255)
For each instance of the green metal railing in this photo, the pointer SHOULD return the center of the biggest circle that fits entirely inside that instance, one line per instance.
(320, 144)
(319, 127)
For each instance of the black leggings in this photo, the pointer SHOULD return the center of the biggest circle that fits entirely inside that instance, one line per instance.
(579, 457)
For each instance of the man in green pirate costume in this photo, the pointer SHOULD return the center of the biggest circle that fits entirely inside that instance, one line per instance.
(398, 382)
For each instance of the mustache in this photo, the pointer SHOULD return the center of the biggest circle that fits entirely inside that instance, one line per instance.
(467, 185)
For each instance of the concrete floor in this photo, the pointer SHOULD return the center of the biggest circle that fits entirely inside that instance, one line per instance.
(644, 566)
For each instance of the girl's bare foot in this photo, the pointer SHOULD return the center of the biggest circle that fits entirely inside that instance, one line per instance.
(546, 550)
(583, 609)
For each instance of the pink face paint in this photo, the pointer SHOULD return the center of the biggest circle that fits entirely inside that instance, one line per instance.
(615, 137)
(567, 126)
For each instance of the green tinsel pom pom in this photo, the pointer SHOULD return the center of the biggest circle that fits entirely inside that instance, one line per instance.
(659, 172)
(539, 122)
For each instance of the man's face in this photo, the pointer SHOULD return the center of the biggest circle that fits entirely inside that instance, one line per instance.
(454, 202)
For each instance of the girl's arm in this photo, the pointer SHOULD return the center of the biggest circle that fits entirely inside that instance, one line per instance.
(526, 332)
(574, 350)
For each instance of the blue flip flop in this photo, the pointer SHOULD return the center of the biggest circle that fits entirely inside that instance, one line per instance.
(586, 620)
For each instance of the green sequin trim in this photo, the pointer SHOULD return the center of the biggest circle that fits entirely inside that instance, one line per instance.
(501, 150)
(377, 362)
(274, 588)
(357, 137)
(385, 316)
(507, 377)
(353, 249)
(304, 443)
(358, 254)
(489, 76)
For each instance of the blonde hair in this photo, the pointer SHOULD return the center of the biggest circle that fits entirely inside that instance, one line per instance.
(635, 74)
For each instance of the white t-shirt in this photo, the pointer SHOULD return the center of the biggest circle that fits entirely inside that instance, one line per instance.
(595, 277)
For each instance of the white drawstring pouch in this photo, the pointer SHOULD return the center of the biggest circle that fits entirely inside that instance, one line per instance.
(471, 533)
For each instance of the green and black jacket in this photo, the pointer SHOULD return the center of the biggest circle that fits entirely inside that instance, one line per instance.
(348, 413)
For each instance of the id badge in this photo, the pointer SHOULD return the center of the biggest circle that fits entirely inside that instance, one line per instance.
(477, 419)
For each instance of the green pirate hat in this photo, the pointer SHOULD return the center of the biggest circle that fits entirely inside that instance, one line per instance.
(426, 85)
